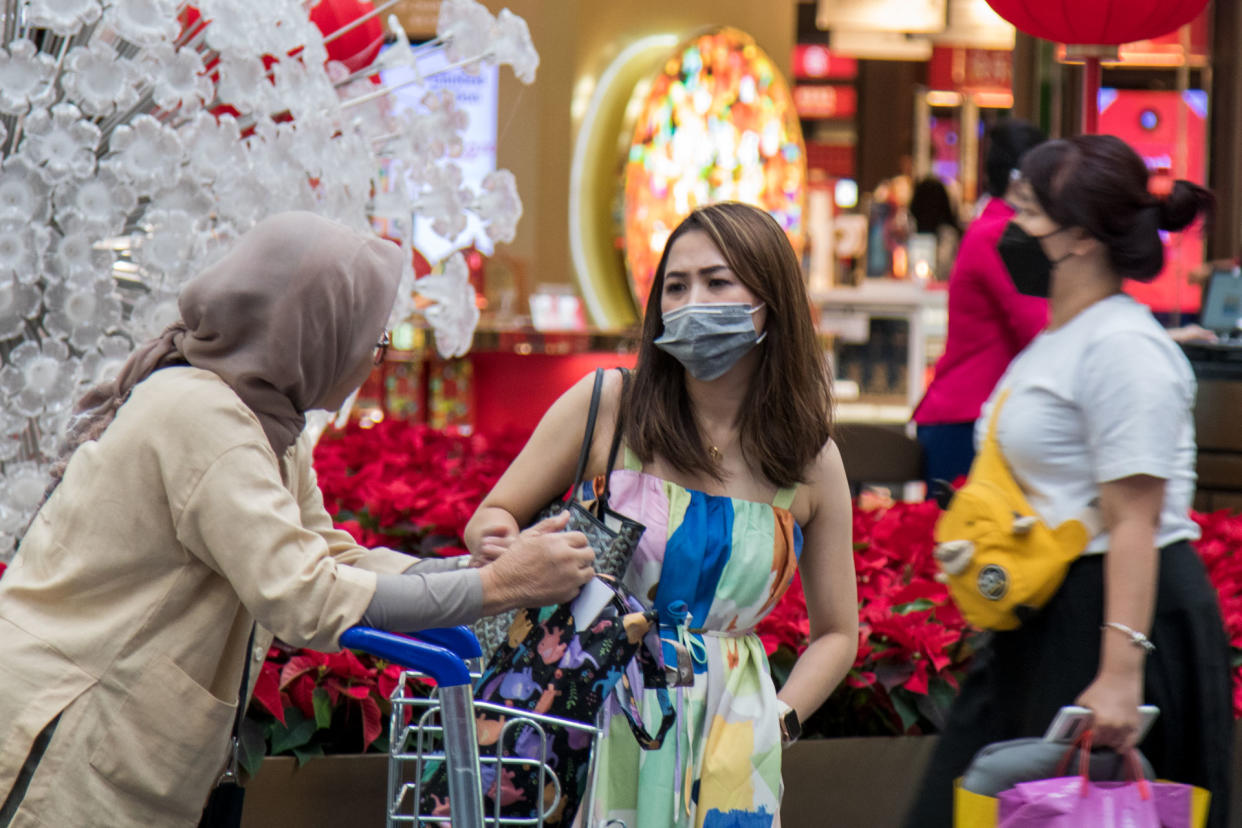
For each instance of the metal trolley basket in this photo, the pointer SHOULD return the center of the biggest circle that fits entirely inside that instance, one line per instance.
(442, 729)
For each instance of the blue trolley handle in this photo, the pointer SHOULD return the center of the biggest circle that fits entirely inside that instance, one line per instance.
(460, 641)
(461, 748)
(442, 664)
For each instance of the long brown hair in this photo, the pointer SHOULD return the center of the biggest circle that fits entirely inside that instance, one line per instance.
(786, 416)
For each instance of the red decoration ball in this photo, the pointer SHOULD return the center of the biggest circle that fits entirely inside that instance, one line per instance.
(1104, 22)
(357, 47)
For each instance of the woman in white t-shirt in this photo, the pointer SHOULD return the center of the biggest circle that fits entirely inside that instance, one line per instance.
(1100, 412)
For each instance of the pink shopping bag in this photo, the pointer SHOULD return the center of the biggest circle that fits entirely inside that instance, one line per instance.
(1077, 802)
(1063, 803)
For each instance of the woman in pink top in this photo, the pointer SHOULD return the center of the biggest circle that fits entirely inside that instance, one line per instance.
(989, 321)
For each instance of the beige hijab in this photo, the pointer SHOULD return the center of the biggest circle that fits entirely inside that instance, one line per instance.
(283, 318)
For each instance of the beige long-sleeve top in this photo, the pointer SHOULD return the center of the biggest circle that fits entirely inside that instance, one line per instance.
(129, 604)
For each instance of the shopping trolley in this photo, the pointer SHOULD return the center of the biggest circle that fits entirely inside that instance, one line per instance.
(441, 732)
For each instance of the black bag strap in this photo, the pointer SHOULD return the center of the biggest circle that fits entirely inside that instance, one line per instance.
(230, 771)
(602, 501)
(632, 709)
(585, 453)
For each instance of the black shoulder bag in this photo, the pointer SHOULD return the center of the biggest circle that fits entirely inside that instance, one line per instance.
(612, 536)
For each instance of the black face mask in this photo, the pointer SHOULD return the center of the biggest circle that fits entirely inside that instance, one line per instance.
(1024, 257)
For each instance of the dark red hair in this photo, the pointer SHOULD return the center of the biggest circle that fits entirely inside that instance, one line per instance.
(1099, 183)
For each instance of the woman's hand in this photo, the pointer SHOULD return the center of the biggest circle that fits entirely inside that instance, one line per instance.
(494, 543)
(543, 565)
(1114, 702)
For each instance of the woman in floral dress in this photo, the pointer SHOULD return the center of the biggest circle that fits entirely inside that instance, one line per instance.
(729, 464)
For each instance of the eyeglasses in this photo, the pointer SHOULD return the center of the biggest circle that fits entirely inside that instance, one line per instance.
(381, 347)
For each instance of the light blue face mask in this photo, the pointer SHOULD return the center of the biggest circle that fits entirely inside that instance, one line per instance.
(709, 339)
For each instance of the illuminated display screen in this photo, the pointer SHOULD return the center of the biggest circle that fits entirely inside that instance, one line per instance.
(716, 124)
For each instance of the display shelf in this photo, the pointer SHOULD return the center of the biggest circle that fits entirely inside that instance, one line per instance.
(847, 311)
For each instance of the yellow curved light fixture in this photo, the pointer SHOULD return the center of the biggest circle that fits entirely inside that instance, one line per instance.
(716, 123)
(593, 180)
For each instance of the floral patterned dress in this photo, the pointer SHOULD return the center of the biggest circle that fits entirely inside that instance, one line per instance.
(729, 561)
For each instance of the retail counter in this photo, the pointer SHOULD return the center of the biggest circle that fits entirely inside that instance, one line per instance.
(1218, 427)
(846, 313)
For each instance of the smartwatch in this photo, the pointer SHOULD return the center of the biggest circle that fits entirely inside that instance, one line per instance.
(791, 728)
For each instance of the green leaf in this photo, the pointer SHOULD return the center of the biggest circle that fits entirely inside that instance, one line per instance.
(323, 708)
(780, 664)
(905, 709)
(913, 606)
(936, 703)
(295, 733)
(307, 753)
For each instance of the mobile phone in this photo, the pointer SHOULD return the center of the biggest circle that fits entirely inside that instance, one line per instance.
(1072, 720)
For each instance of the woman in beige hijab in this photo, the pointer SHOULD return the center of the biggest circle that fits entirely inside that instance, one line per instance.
(187, 514)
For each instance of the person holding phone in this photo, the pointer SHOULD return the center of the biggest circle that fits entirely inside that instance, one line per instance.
(1099, 413)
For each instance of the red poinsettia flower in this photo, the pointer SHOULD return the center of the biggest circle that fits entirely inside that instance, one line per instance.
(413, 488)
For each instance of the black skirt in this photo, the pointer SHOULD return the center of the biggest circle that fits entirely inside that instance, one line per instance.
(1021, 678)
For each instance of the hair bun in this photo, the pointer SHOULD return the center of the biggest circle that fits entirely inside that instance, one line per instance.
(1185, 202)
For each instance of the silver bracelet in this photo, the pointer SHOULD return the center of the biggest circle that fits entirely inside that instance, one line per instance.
(1136, 637)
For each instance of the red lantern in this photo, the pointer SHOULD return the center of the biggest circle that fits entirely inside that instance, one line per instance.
(1098, 22)
(358, 46)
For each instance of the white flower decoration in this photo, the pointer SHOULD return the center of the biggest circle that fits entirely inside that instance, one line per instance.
(499, 206)
(454, 313)
(50, 429)
(244, 84)
(94, 164)
(99, 80)
(166, 246)
(213, 148)
(60, 142)
(179, 78)
(186, 194)
(65, 17)
(103, 362)
(511, 45)
(444, 201)
(242, 199)
(467, 27)
(20, 496)
(100, 203)
(143, 22)
(23, 192)
(82, 314)
(12, 427)
(284, 28)
(274, 159)
(39, 380)
(26, 77)
(233, 27)
(21, 250)
(153, 313)
(145, 153)
(314, 147)
(436, 132)
(306, 90)
(76, 258)
(18, 303)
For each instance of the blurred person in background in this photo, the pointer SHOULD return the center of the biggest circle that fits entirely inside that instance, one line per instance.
(989, 321)
(932, 210)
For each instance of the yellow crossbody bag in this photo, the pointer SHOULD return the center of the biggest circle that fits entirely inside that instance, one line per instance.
(999, 560)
